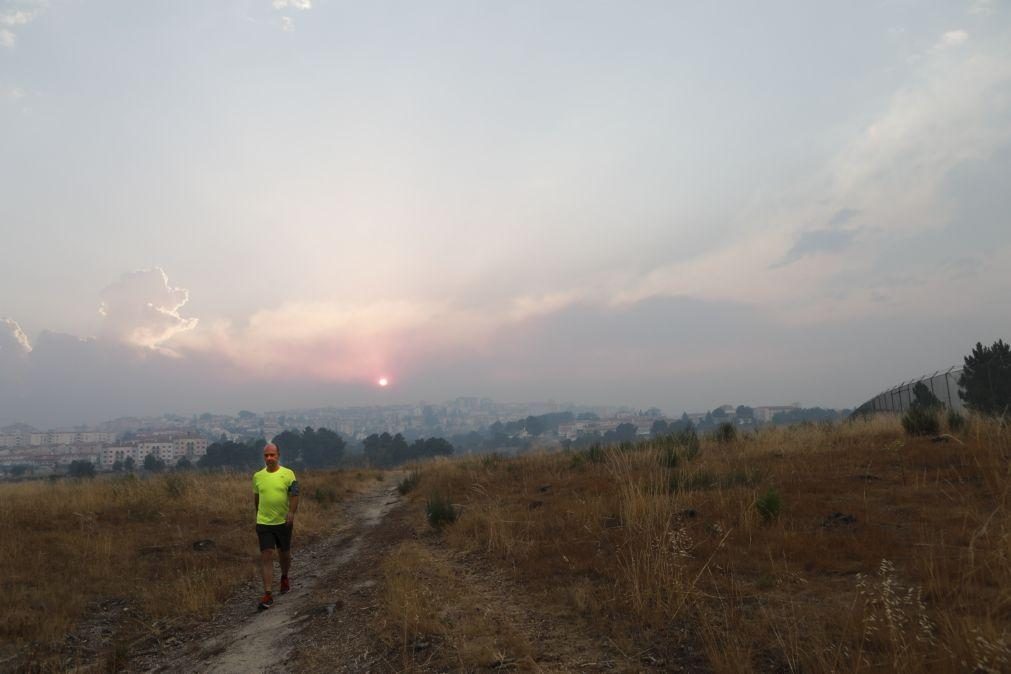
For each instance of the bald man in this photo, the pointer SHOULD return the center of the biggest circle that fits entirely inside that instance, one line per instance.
(275, 496)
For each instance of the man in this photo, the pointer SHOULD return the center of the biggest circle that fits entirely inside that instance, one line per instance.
(275, 495)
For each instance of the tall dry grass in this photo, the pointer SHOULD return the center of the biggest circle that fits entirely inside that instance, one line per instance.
(887, 552)
(74, 545)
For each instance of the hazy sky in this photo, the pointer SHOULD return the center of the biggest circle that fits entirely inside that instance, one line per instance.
(268, 204)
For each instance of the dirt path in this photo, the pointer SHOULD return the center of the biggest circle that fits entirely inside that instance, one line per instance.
(241, 640)
(335, 619)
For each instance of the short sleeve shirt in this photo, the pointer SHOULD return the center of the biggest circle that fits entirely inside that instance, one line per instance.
(274, 490)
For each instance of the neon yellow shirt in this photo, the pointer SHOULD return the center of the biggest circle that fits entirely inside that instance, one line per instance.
(273, 489)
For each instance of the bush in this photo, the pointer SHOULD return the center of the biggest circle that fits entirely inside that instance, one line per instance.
(922, 421)
(956, 422)
(440, 510)
(725, 432)
(324, 496)
(409, 483)
(81, 469)
(176, 485)
(769, 504)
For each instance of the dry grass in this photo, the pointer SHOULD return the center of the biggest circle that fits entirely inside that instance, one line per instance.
(888, 553)
(82, 543)
(425, 601)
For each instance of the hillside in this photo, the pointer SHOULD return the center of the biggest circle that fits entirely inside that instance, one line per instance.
(844, 547)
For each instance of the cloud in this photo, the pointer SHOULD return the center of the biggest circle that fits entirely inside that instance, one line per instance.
(952, 38)
(293, 4)
(287, 25)
(817, 241)
(17, 17)
(981, 7)
(13, 339)
(954, 108)
(142, 309)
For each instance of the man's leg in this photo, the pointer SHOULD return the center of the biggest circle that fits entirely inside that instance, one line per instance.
(267, 568)
(285, 557)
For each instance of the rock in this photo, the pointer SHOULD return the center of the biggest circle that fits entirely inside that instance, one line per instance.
(204, 545)
(838, 520)
(544, 488)
(534, 505)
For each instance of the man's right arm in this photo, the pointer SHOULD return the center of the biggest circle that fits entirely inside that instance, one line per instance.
(256, 503)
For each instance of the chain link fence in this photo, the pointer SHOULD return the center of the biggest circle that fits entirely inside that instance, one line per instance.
(943, 384)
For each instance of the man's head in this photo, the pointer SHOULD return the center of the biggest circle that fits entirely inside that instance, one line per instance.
(271, 456)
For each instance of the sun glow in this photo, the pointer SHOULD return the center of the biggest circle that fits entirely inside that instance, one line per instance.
(383, 382)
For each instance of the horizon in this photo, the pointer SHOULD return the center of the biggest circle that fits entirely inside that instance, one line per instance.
(278, 204)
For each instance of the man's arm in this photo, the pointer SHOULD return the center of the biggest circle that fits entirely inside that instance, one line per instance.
(292, 507)
(256, 503)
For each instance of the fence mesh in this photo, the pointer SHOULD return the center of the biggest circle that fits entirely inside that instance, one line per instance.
(943, 384)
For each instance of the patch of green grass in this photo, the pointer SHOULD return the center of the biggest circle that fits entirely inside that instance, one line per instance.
(769, 504)
(409, 483)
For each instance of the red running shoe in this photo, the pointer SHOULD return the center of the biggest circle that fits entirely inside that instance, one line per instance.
(266, 602)
(285, 585)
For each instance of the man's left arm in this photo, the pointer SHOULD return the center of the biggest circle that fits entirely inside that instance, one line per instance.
(292, 503)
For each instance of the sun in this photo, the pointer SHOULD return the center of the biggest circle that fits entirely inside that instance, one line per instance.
(383, 382)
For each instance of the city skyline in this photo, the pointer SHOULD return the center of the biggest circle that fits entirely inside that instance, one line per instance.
(274, 204)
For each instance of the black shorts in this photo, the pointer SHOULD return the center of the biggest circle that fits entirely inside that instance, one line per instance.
(274, 536)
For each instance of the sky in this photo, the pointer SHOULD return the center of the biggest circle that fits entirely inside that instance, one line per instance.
(270, 204)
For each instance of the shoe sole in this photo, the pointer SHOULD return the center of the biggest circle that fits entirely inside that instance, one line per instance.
(263, 607)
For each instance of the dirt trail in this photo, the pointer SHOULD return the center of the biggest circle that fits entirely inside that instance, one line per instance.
(246, 641)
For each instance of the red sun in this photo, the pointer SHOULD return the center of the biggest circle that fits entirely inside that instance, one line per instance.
(383, 382)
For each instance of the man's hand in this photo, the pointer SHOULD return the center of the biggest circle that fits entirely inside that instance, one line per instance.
(289, 519)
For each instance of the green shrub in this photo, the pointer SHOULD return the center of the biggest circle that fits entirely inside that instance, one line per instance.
(440, 510)
(176, 485)
(409, 483)
(769, 504)
(956, 422)
(726, 432)
(578, 460)
(922, 421)
(325, 496)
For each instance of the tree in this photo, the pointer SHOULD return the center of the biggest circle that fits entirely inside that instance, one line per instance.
(153, 463)
(985, 384)
(246, 414)
(117, 465)
(924, 399)
(745, 412)
(184, 464)
(81, 469)
(659, 427)
(129, 464)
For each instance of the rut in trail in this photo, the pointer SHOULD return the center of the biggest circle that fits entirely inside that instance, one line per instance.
(248, 641)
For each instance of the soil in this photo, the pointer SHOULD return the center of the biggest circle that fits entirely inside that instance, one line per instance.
(332, 619)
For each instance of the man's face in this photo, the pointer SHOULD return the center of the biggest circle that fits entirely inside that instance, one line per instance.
(270, 457)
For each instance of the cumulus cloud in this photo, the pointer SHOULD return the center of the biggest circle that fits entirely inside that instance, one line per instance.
(142, 309)
(287, 25)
